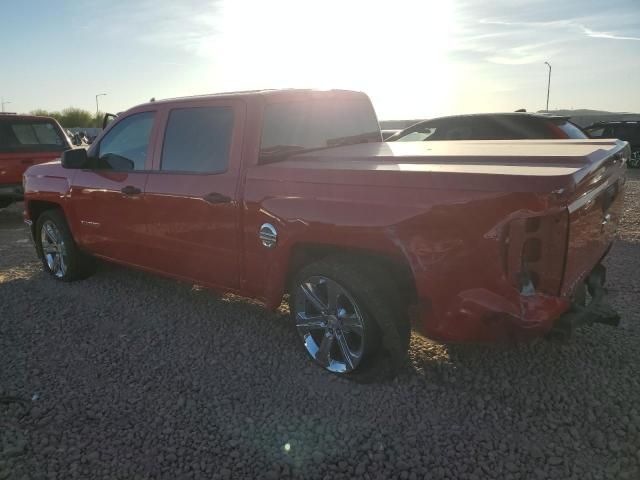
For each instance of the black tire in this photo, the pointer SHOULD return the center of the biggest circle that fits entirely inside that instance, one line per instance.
(5, 202)
(78, 264)
(385, 316)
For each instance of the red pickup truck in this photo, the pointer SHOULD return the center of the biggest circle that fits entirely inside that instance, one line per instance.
(272, 192)
(26, 140)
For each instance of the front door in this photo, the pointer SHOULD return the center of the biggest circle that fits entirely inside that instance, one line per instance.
(108, 199)
(192, 193)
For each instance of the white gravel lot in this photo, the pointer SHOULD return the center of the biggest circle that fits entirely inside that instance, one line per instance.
(129, 376)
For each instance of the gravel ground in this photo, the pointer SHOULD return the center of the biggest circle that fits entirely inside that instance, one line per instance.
(130, 376)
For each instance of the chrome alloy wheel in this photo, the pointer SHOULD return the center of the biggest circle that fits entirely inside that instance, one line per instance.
(330, 324)
(53, 249)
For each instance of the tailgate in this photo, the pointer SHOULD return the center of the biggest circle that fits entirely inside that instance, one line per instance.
(13, 165)
(594, 214)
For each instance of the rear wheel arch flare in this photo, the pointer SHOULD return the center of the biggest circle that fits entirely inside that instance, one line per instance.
(398, 268)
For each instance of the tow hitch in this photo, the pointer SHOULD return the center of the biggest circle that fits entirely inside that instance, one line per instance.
(596, 311)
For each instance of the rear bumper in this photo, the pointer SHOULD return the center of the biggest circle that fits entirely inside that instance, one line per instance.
(487, 317)
(13, 191)
(597, 310)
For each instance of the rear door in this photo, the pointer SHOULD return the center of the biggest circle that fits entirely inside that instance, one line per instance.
(108, 199)
(193, 194)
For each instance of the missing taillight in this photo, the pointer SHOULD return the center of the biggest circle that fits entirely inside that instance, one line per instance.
(532, 250)
(535, 279)
(536, 252)
(528, 282)
(532, 224)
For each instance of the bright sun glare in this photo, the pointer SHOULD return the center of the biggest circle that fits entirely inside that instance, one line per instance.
(356, 44)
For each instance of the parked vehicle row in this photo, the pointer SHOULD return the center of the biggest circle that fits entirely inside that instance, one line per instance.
(517, 125)
(26, 140)
(627, 130)
(494, 126)
(491, 126)
(271, 192)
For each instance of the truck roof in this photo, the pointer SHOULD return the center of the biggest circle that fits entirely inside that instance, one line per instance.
(275, 94)
(14, 116)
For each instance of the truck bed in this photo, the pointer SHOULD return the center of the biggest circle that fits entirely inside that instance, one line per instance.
(531, 165)
(584, 177)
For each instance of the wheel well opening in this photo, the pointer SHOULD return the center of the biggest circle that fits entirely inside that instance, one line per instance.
(38, 207)
(398, 269)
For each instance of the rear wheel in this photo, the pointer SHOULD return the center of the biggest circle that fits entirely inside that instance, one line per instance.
(57, 250)
(5, 202)
(634, 161)
(349, 319)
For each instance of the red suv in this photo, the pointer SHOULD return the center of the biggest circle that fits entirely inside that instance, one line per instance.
(26, 140)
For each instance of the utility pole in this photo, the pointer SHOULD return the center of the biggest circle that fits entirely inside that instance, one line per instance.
(3, 103)
(548, 84)
(97, 108)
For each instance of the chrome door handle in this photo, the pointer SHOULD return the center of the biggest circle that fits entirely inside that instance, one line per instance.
(131, 190)
(216, 198)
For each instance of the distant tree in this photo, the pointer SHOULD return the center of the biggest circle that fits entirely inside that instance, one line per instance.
(75, 117)
(96, 121)
(40, 112)
(45, 113)
(72, 117)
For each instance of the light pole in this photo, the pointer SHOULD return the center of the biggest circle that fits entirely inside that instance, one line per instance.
(99, 95)
(548, 84)
(3, 104)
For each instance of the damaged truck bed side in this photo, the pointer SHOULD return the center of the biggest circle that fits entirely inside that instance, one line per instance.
(501, 237)
(273, 192)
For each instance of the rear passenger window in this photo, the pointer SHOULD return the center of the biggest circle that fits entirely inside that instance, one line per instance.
(198, 140)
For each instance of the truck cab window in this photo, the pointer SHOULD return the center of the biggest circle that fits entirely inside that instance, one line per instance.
(197, 140)
(290, 127)
(125, 146)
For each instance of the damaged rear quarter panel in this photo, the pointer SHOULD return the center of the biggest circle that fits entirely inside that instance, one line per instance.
(452, 240)
(458, 254)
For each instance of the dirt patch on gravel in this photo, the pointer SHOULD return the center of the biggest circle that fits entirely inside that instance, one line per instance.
(130, 376)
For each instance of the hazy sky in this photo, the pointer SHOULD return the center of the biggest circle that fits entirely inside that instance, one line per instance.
(417, 58)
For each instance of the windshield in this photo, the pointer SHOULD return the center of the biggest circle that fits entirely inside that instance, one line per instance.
(293, 127)
(17, 135)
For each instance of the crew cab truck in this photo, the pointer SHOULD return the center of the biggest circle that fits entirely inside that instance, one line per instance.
(271, 192)
(26, 140)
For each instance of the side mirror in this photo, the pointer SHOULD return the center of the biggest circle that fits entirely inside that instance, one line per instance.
(75, 158)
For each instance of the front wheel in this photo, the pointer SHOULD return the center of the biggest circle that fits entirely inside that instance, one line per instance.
(5, 202)
(349, 319)
(634, 161)
(57, 250)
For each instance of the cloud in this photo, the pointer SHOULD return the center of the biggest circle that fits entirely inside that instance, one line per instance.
(512, 36)
(187, 26)
(522, 54)
(593, 34)
(516, 59)
(574, 24)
